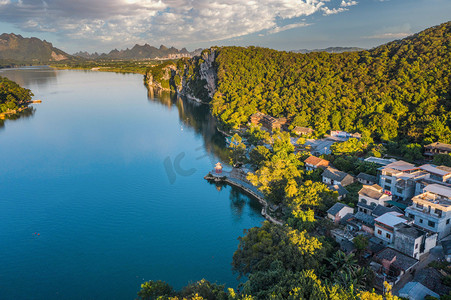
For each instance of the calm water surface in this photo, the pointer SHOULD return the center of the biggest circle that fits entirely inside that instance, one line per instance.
(89, 210)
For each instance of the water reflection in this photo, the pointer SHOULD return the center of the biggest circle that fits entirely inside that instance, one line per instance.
(25, 114)
(46, 76)
(196, 116)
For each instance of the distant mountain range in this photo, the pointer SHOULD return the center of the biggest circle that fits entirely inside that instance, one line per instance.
(17, 49)
(330, 50)
(140, 52)
(29, 50)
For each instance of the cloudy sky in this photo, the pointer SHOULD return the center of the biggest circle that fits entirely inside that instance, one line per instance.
(101, 25)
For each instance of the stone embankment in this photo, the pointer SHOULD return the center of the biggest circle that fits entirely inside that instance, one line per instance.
(235, 178)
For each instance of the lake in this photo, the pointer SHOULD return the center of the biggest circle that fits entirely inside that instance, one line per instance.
(102, 189)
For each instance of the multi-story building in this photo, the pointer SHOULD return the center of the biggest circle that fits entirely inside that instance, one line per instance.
(432, 209)
(384, 225)
(413, 240)
(399, 178)
(371, 196)
(436, 174)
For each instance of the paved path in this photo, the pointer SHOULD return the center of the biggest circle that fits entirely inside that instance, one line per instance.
(236, 178)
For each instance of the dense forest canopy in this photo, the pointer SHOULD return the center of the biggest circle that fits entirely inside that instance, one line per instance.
(400, 89)
(12, 95)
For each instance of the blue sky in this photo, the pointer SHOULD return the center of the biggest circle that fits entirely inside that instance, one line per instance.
(102, 25)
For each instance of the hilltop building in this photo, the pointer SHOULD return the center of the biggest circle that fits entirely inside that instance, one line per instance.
(303, 130)
(268, 121)
(437, 148)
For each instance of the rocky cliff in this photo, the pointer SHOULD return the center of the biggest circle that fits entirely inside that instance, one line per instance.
(194, 78)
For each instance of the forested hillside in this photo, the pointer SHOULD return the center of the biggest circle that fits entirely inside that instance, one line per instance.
(401, 89)
(12, 96)
(15, 49)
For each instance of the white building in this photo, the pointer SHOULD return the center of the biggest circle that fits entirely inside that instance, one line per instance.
(399, 178)
(371, 196)
(384, 225)
(432, 209)
(338, 211)
(413, 240)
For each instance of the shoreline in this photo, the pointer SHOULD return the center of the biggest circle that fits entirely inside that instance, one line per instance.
(15, 112)
(226, 177)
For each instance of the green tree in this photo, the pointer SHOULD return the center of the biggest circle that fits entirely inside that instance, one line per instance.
(204, 289)
(360, 242)
(238, 150)
(442, 159)
(259, 155)
(151, 290)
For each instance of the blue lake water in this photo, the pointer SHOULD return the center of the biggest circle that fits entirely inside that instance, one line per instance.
(89, 209)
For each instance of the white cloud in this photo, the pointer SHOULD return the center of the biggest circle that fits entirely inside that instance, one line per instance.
(287, 27)
(159, 21)
(389, 35)
(348, 3)
(394, 32)
(332, 11)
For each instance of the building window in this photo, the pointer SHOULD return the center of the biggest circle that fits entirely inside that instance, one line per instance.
(420, 206)
(447, 221)
(416, 246)
(431, 224)
(387, 235)
(387, 188)
(388, 181)
(399, 191)
(438, 212)
(421, 221)
(379, 232)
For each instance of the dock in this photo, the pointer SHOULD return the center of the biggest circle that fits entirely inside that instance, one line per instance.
(235, 178)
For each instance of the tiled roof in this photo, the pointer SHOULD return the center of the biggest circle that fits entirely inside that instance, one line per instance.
(334, 174)
(303, 129)
(367, 177)
(440, 146)
(336, 208)
(316, 161)
(379, 210)
(402, 261)
(364, 218)
(374, 191)
(432, 279)
(401, 165)
(340, 189)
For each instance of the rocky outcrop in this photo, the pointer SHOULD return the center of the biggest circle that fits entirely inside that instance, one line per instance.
(194, 78)
(208, 71)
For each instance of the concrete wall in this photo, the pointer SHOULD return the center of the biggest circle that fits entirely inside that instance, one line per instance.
(383, 234)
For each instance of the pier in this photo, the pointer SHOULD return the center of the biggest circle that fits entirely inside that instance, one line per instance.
(237, 179)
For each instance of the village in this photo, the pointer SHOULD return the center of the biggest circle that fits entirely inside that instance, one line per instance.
(403, 211)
